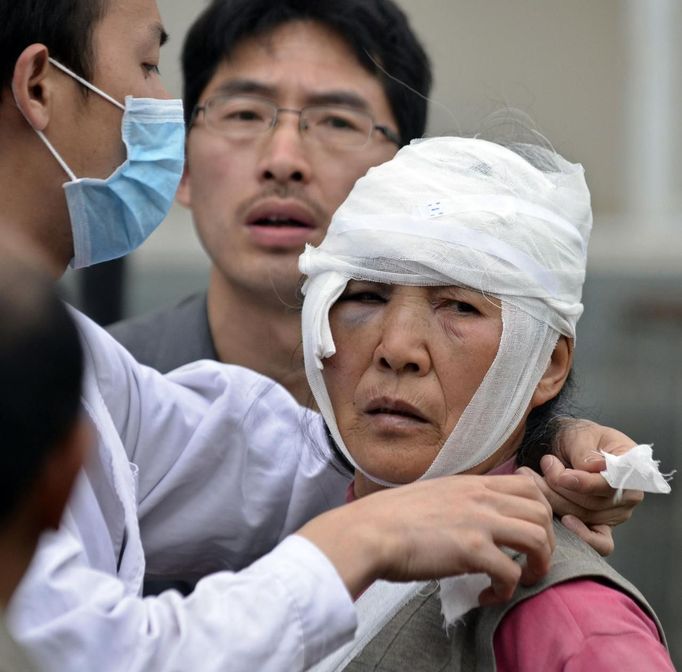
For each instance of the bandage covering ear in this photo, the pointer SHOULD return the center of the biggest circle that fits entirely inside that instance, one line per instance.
(466, 212)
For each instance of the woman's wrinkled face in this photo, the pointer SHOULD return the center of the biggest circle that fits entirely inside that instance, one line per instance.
(408, 361)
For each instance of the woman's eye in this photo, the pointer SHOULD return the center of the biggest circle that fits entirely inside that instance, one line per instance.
(461, 307)
(363, 297)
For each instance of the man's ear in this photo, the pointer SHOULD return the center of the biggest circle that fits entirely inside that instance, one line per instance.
(32, 86)
(184, 193)
(556, 373)
(59, 472)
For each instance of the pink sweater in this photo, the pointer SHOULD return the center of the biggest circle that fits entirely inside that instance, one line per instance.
(579, 625)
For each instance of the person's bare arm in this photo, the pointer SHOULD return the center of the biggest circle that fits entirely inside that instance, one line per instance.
(573, 486)
(438, 528)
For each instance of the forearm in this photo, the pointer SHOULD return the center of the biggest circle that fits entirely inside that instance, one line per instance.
(286, 611)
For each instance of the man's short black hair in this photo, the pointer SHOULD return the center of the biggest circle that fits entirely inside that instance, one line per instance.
(377, 31)
(40, 377)
(65, 27)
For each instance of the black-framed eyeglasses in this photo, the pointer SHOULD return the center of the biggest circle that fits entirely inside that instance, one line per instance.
(246, 117)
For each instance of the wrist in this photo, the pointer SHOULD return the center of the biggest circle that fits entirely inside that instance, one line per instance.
(350, 538)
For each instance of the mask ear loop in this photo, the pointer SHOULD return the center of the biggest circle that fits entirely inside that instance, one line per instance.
(43, 137)
(46, 142)
(86, 83)
(53, 151)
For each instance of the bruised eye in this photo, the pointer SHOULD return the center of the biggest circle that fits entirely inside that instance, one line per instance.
(362, 297)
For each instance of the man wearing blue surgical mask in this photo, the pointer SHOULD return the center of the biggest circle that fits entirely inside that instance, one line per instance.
(200, 468)
(83, 127)
(131, 202)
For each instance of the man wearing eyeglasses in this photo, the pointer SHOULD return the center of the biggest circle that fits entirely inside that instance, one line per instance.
(287, 104)
(286, 110)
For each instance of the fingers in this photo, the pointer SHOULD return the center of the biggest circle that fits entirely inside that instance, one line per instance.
(600, 537)
(587, 496)
(612, 441)
(527, 522)
(501, 588)
(581, 441)
(527, 487)
(505, 572)
(575, 480)
(550, 495)
(522, 522)
(537, 542)
(521, 499)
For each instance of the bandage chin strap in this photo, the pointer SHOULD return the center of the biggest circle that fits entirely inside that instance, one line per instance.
(525, 351)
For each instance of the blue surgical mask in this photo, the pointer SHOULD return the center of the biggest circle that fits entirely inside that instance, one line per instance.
(112, 217)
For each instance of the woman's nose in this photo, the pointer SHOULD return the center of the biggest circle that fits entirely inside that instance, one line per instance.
(404, 343)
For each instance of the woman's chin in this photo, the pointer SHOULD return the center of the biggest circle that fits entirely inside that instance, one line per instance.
(391, 470)
(396, 452)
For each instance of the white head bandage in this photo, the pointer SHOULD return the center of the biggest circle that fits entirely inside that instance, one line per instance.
(467, 212)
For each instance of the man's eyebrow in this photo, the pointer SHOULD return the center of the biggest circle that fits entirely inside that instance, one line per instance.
(340, 97)
(253, 87)
(236, 87)
(159, 34)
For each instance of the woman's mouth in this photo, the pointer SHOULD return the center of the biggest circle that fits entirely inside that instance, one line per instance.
(396, 409)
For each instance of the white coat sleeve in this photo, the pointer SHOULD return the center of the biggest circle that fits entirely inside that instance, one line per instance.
(285, 612)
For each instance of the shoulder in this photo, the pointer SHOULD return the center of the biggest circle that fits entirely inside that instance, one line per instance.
(170, 337)
(98, 346)
(190, 306)
(578, 620)
(581, 605)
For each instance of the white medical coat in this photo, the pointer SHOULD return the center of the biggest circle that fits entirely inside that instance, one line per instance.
(208, 468)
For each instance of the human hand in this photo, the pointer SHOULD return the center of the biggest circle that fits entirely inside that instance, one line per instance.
(438, 528)
(580, 496)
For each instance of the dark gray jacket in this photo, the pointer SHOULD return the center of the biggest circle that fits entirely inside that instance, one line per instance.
(169, 338)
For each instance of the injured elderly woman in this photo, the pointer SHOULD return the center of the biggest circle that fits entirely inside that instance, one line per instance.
(439, 323)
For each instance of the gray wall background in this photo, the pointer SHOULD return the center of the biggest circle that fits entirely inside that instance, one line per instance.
(601, 79)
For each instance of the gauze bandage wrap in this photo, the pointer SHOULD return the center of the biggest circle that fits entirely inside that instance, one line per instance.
(467, 212)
